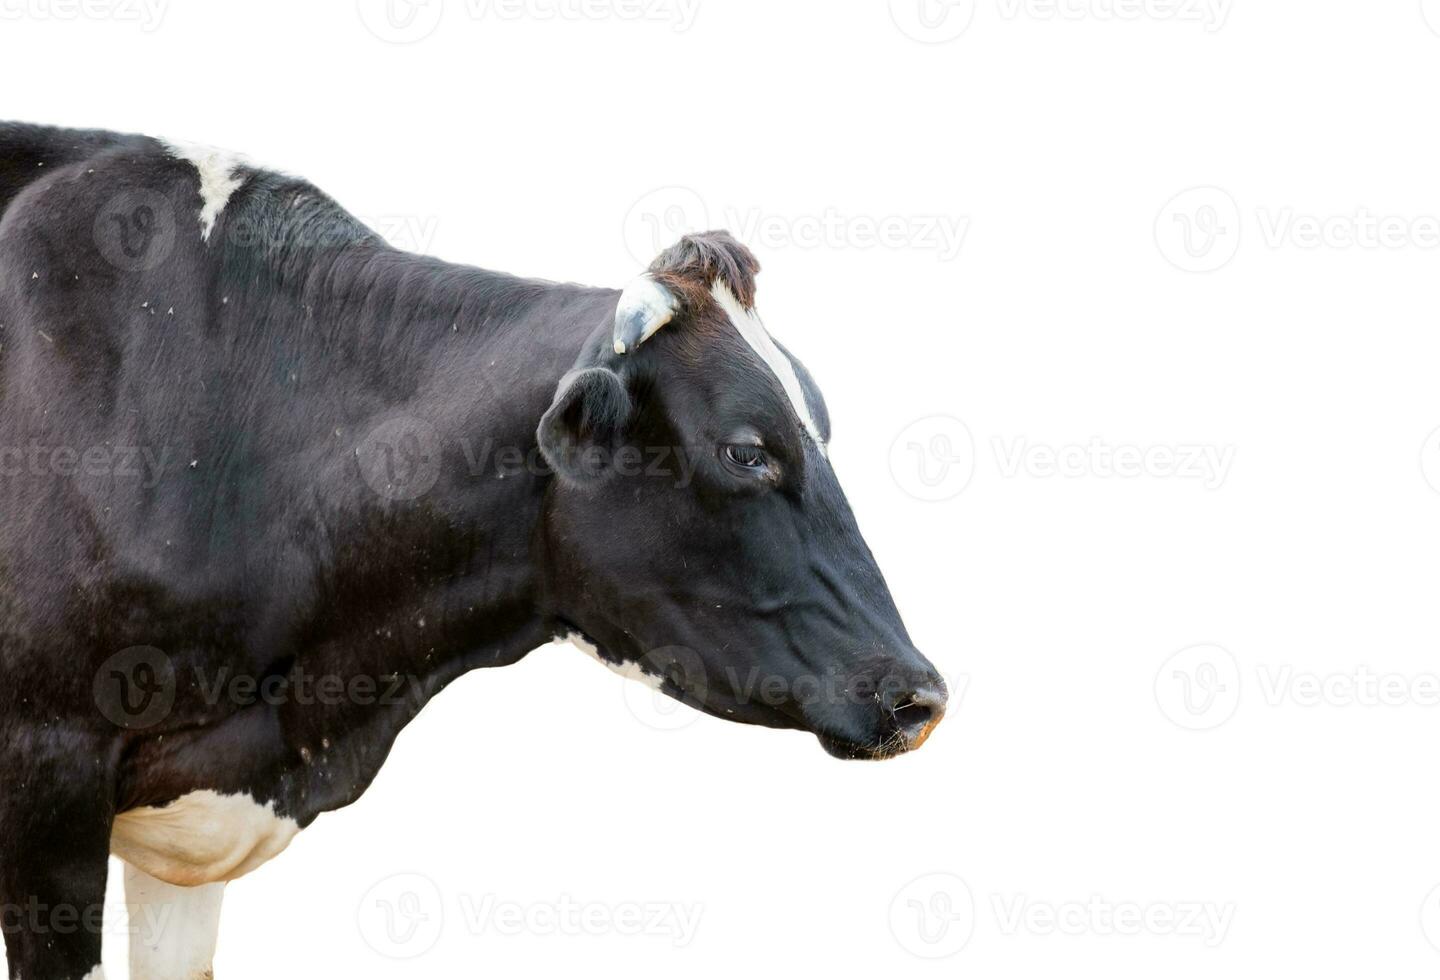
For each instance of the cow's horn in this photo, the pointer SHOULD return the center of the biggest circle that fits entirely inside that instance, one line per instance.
(645, 306)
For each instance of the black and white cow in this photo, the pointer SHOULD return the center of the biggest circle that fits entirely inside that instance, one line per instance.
(250, 454)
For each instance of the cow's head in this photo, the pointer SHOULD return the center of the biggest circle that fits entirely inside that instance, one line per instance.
(695, 532)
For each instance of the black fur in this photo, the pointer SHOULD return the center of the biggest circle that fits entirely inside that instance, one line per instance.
(315, 424)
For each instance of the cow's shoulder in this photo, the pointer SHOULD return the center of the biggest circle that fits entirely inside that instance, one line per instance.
(53, 186)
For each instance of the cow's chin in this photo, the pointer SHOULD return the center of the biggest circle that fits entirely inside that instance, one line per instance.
(876, 751)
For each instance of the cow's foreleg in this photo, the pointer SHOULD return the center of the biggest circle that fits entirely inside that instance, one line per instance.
(55, 817)
(172, 929)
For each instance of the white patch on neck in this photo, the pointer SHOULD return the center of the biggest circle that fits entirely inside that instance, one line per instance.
(201, 838)
(627, 669)
(748, 325)
(217, 179)
(96, 974)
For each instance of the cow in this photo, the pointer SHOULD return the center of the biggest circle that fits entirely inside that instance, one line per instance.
(269, 484)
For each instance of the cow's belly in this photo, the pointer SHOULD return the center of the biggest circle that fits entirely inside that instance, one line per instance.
(201, 838)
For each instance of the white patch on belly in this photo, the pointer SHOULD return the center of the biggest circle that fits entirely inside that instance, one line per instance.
(628, 669)
(201, 838)
(748, 325)
(217, 179)
(172, 929)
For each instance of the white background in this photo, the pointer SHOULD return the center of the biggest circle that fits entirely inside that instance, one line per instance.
(1075, 774)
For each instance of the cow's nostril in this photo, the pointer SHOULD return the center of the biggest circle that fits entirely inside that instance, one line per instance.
(916, 713)
(912, 716)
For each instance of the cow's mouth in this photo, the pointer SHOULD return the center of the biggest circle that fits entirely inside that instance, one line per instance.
(905, 738)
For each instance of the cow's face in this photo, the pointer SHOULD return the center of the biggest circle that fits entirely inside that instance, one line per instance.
(696, 534)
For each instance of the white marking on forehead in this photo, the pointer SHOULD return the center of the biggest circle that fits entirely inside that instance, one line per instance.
(627, 669)
(217, 179)
(748, 325)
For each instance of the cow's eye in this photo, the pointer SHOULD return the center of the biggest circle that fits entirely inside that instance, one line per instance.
(746, 457)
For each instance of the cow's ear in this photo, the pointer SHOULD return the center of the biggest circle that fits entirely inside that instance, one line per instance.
(585, 424)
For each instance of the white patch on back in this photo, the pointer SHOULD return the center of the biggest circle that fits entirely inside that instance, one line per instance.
(748, 325)
(172, 929)
(628, 669)
(201, 838)
(217, 179)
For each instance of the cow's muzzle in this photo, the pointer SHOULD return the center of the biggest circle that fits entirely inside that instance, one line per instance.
(906, 721)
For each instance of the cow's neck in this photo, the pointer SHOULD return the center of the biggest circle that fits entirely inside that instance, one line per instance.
(415, 591)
